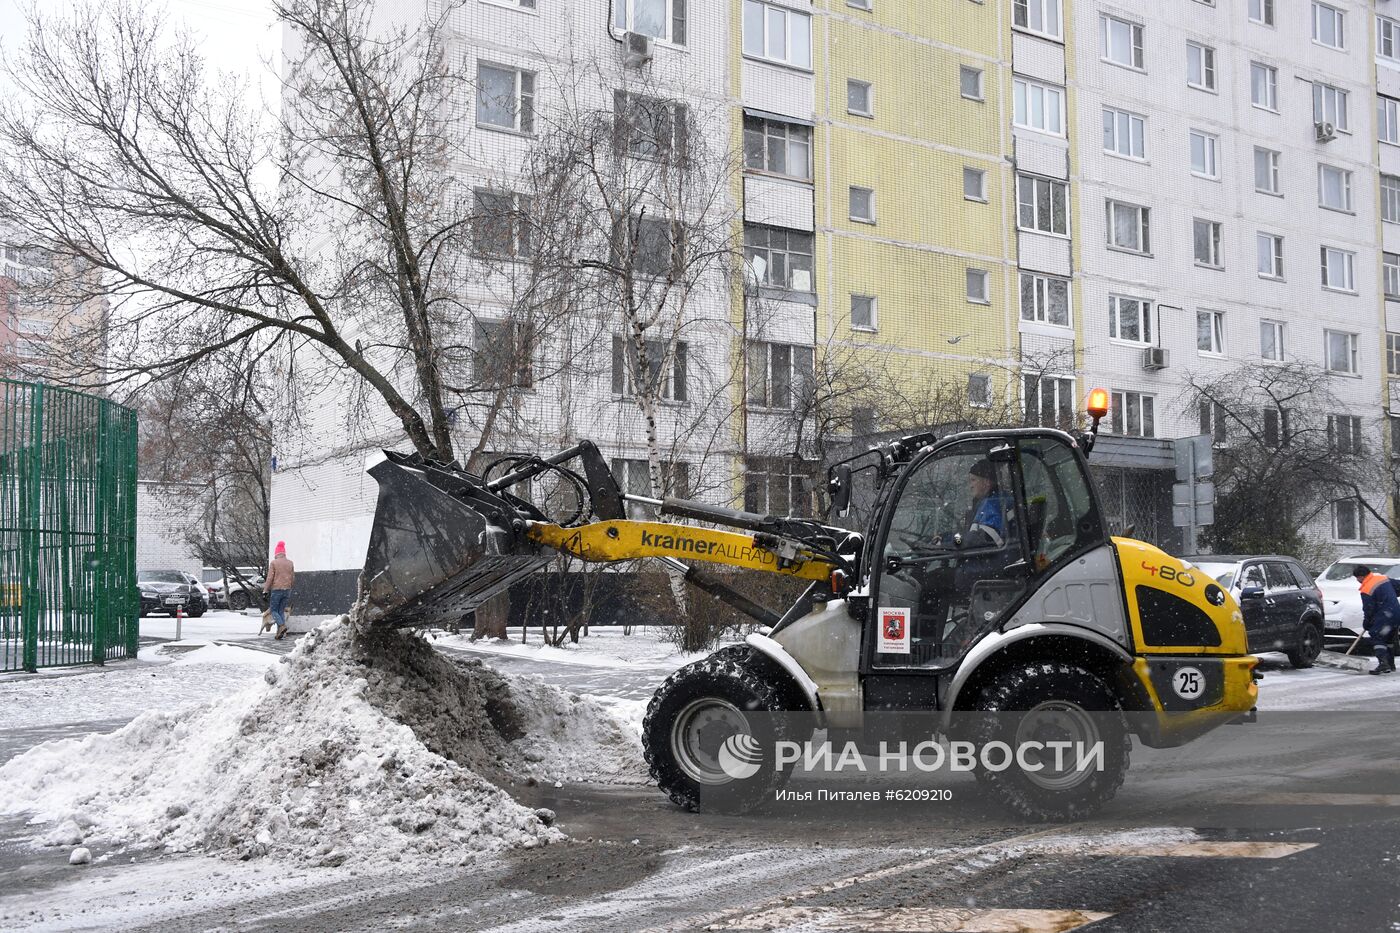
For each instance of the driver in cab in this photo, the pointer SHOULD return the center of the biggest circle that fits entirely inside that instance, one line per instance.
(987, 517)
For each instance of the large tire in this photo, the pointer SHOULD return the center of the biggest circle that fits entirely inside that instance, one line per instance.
(1309, 646)
(694, 714)
(1052, 700)
(238, 600)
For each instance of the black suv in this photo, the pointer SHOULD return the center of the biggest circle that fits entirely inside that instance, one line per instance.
(167, 590)
(1282, 606)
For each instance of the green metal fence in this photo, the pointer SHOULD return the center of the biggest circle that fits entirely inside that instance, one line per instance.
(67, 528)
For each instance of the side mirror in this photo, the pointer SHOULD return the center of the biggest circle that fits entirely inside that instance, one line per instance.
(839, 485)
(1251, 592)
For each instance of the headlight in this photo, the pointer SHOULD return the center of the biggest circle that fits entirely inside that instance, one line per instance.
(148, 593)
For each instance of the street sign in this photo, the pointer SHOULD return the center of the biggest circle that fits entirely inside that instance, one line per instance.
(1201, 449)
(1193, 497)
(1197, 494)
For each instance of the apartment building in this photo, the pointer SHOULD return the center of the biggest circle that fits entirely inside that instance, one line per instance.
(1021, 198)
(34, 324)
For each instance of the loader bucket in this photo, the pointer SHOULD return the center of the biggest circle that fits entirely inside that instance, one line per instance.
(442, 544)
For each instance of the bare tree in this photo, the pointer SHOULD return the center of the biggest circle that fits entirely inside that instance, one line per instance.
(1287, 449)
(328, 232)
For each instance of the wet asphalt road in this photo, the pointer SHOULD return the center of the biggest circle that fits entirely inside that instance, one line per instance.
(1302, 809)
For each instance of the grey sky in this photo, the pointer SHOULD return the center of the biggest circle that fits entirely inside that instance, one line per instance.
(240, 34)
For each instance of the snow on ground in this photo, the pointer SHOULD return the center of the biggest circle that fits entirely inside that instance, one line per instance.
(604, 646)
(126, 689)
(216, 624)
(364, 748)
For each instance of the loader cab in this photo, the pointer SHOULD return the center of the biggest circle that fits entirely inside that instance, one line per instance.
(970, 528)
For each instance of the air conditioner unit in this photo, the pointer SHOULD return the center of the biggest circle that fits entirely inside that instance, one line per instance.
(1325, 131)
(639, 49)
(1154, 358)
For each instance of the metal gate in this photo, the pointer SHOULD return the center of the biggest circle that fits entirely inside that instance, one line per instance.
(67, 528)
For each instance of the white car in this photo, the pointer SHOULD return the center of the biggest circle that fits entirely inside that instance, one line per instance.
(1341, 597)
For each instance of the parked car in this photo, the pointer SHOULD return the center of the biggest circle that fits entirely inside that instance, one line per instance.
(238, 597)
(1282, 607)
(1341, 597)
(168, 590)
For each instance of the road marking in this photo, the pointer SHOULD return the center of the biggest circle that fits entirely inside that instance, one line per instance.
(1197, 850)
(931, 919)
(1328, 800)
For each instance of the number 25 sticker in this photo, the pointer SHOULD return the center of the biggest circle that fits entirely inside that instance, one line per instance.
(1188, 682)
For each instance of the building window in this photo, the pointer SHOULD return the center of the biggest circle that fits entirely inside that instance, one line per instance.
(1344, 435)
(863, 312)
(1128, 227)
(859, 4)
(500, 225)
(1042, 204)
(1271, 341)
(1122, 41)
(777, 34)
(1124, 133)
(1129, 319)
(1333, 188)
(1277, 433)
(1388, 120)
(649, 127)
(1263, 86)
(1261, 11)
(1330, 106)
(1205, 155)
(1348, 520)
(1210, 332)
(660, 19)
(861, 202)
(978, 286)
(1200, 66)
(1329, 26)
(1266, 174)
(1049, 401)
(1390, 199)
(1392, 354)
(781, 258)
(970, 82)
(1205, 240)
(860, 98)
(649, 246)
(1387, 38)
(1133, 414)
(1044, 299)
(776, 486)
(501, 355)
(1213, 421)
(634, 478)
(1039, 107)
(1338, 269)
(665, 373)
(778, 147)
(1341, 349)
(979, 390)
(779, 375)
(1042, 16)
(505, 98)
(1270, 253)
(1390, 275)
(974, 184)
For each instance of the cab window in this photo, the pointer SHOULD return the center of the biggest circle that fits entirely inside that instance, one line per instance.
(1060, 513)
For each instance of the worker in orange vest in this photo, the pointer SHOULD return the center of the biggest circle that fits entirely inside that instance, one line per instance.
(1380, 614)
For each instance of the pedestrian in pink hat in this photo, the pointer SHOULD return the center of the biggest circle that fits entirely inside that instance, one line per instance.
(278, 586)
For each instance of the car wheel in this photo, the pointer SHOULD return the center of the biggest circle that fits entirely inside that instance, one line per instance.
(238, 601)
(1047, 702)
(1310, 641)
(195, 613)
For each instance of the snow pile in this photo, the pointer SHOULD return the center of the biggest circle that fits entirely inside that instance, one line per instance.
(361, 747)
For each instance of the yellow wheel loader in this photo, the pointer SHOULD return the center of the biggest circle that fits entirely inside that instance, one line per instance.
(983, 582)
